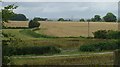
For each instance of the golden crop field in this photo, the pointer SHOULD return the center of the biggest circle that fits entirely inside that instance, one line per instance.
(67, 29)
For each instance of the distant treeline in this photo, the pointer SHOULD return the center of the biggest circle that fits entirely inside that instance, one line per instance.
(18, 17)
(109, 17)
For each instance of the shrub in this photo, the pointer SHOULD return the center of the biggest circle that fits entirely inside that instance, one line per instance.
(33, 24)
(113, 34)
(61, 19)
(110, 17)
(101, 46)
(100, 34)
(104, 34)
(37, 50)
(16, 46)
(5, 60)
(7, 34)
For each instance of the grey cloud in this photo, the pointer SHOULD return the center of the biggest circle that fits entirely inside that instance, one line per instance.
(65, 9)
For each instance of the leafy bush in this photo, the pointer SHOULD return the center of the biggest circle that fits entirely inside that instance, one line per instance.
(37, 50)
(104, 34)
(61, 19)
(100, 34)
(16, 46)
(5, 60)
(110, 17)
(33, 24)
(7, 34)
(18, 17)
(101, 46)
(113, 34)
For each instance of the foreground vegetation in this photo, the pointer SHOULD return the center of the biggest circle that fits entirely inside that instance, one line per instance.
(40, 45)
(100, 59)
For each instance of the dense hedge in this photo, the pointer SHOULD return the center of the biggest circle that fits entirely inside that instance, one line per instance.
(16, 46)
(32, 33)
(33, 50)
(101, 46)
(104, 34)
(33, 24)
(15, 28)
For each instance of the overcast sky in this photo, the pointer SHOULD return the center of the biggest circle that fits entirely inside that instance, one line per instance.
(61, 0)
(65, 9)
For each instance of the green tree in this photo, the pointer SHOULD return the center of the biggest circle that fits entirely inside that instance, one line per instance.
(82, 20)
(60, 19)
(110, 17)
(102, 34)
(88, 20)
(40, 19)
(93, 19)
(97, 18)
(7, 12)
(33, 24)
(18, 17)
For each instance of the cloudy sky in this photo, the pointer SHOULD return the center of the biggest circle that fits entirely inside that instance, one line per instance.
(65, 9)
(60, 0)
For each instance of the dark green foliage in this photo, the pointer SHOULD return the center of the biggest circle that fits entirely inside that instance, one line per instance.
(40, 19)
(113, 34)
(101, 46)
(5, 60)
(82, 20)
(110, 17)
(18, 17)
(104, 34)
(31, 50)
(39, 50)
(60, 19)
(7, 12)
(16, 46)
(7, 34)
(33, 24)
(96, 18)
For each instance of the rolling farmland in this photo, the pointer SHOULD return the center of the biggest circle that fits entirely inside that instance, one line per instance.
(68, 46)
(67, 29)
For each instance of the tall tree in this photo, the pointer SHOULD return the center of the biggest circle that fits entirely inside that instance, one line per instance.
(97, 18)
(61, 19)
(110, 17)
(82, 20)
(7, 12)
(19, 17)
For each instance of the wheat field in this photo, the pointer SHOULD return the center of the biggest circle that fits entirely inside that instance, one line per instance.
(67, 29)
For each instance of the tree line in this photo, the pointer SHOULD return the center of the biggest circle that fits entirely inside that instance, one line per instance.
(109, 17)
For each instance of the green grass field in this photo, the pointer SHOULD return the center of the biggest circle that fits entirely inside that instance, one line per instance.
(41, 40)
